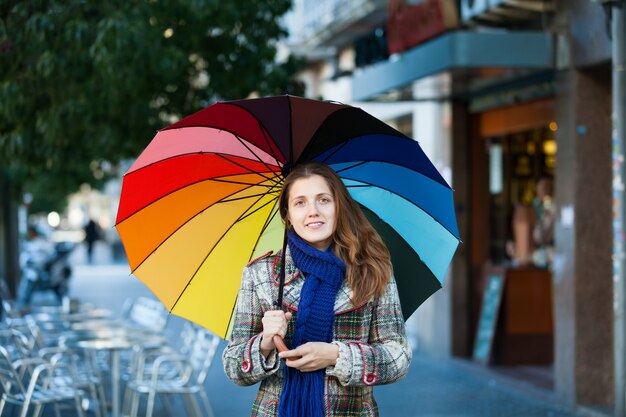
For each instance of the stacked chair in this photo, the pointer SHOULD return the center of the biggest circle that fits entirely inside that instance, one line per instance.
(28, 380)
(146, 313)
(173, 370)
(37, 369)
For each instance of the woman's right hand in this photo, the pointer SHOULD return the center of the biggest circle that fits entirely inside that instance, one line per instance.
(274, 323)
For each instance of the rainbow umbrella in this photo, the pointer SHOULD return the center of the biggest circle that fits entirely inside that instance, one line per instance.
(201, 200)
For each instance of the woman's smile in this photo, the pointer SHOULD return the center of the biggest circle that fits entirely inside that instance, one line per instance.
(315, 225)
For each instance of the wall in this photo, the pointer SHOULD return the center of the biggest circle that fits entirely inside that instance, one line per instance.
(583, 270)
(583, 286)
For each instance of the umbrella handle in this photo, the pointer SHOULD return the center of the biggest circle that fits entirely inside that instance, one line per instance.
(281, 346)
(279, 343)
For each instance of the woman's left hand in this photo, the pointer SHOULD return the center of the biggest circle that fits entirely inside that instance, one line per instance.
(311, 356)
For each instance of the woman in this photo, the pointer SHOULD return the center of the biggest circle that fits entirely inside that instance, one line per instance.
(343, 319)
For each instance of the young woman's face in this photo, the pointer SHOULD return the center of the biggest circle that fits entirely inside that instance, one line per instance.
(311, 211)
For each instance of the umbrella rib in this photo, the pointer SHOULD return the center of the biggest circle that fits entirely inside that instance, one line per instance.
(267, 223)
(240, 182)
(267, 140)
(251, 171)
(230, 131)
(243, 198)
(345, 143)
(209, 253)
(243, 142)
(368, 161)
(263, 130)
(243, 217)
(291, 160)
(357, 164)
(179, 227)
(359, 186)
(196, 153)
(216, 179)
(367, 184)
(340, 147)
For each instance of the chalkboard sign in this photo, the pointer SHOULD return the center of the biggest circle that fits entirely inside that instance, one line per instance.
(488, 316)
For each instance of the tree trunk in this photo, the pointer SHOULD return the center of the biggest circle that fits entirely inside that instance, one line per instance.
(9, 242)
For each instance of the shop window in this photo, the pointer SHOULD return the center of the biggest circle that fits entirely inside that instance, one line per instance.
(521, 169)
(371, 48)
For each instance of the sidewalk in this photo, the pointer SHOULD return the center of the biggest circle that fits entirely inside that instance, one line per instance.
(449, 388)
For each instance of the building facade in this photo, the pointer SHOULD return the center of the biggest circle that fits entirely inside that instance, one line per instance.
(511, 99)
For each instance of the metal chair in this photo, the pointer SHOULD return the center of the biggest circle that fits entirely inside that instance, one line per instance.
(10, 310)
(186, 375)
(30, 382)
(140, 366)
(146, 312)
(70, 368)
(83, 375)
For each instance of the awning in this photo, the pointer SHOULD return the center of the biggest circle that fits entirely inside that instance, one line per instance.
(456, 50)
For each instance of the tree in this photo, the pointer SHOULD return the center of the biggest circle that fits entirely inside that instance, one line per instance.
(85, 83)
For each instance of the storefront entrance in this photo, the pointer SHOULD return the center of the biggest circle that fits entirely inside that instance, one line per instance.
(514, 152)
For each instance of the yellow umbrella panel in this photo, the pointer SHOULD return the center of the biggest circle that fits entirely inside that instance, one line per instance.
(180, 272)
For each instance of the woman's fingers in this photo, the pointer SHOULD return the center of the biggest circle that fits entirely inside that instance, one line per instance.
(274, 323)
(311, 356)
(291, 354)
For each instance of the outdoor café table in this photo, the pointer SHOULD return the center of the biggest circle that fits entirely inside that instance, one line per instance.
(93, 325)
(59, 316)
(113, 341)
(95, 313)
(105, 324)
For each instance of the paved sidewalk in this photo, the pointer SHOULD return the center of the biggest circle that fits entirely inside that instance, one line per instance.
(432, 388)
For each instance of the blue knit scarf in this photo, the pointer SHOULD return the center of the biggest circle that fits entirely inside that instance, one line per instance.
(303, 392)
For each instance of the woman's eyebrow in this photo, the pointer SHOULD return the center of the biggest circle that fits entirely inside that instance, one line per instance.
(304, 196)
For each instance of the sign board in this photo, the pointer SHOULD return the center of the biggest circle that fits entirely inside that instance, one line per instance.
(411, 24)
(488, 319)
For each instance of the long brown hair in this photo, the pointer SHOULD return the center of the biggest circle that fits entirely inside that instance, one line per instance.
(355, 241)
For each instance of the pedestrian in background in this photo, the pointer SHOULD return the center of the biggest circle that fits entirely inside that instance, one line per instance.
(92, 233)
(344, 323)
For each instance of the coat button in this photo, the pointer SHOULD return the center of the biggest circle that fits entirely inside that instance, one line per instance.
(245, 366)
(370, 378)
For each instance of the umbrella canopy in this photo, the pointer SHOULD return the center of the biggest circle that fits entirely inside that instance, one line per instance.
(201, 200)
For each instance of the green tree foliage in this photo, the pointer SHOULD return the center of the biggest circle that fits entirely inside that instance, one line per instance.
(86, 83)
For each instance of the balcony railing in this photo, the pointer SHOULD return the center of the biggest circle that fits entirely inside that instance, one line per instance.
(329, 22)
(503, 12)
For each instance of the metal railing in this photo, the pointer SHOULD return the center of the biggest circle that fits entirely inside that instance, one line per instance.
(320, 19)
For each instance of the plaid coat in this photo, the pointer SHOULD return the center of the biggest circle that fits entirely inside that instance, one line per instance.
(373, 348)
